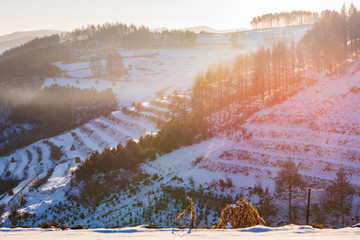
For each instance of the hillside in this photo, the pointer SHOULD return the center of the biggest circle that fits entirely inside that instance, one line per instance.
(290, 129)
(317, 128)
(18, 38)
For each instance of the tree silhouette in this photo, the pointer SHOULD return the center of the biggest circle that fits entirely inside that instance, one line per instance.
(284, 19)
(115, 67)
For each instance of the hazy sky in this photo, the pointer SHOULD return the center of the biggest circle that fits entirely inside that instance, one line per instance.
(24, 15)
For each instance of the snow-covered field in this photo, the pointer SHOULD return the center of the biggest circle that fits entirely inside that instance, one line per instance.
(257, 232)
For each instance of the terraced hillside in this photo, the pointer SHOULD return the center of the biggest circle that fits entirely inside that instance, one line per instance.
(318, 128)
(318, 134)
(34, 162)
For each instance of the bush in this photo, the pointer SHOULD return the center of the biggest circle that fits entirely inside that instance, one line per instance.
(155, 177)
(14, 216)
(56, 152)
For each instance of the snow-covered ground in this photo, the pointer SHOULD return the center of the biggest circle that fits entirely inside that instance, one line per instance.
(257, 232)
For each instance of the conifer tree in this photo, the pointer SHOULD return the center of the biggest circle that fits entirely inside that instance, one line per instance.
(340, 195)
(287, 180)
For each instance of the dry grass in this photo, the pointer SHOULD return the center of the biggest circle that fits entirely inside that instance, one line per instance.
(239, 215)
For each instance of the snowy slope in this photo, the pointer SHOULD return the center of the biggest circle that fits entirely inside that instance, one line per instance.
(279, 133)
(317, 127)
(283, 131)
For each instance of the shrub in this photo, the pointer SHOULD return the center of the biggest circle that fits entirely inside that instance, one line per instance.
(14, 216)
(155, 177)
(56, 152)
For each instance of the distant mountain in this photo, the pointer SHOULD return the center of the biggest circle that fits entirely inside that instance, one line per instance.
(203, 28)
(16, 39)
(199, 29)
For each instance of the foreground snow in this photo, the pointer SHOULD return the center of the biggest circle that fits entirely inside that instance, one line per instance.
(257, 232)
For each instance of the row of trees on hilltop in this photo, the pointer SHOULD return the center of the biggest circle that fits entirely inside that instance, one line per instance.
(130, 36)
(333, 39)
(284, 19)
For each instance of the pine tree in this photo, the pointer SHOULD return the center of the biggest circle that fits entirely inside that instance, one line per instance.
(267, 207)
(341, 195)
(287, 180)
(115, 67)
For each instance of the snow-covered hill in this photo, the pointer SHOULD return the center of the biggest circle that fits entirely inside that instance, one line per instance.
(317, 128)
